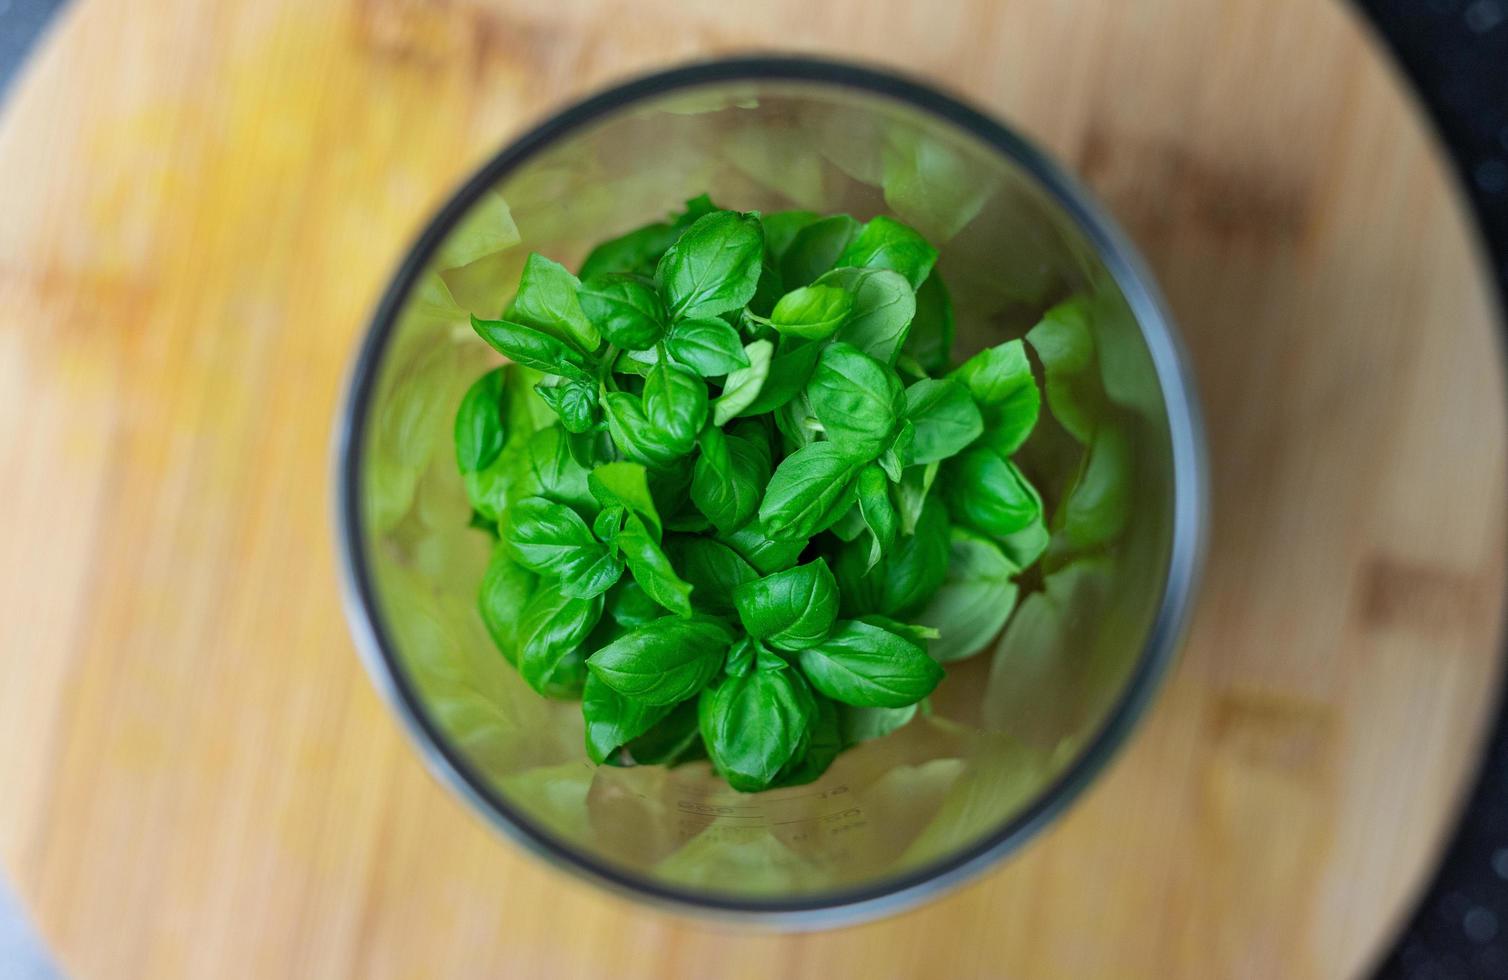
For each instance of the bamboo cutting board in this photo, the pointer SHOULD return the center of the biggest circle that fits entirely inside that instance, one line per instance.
(201, 201)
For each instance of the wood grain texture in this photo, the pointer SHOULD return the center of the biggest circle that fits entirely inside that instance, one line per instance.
(201, 201)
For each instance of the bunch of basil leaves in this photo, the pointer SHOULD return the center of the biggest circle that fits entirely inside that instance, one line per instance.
(744, 509)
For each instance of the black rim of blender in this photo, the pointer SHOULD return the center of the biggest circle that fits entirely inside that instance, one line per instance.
(844, 905)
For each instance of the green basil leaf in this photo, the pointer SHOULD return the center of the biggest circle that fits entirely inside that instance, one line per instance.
(790, 370)
(850, 525)
(905, 578)
(765, 553)
(753, 725)
(792, 609)
(930, 340)
(740, 658)
(1097, 506)
(481, 523)
(883, 307)
(870, 667)
(780, 229)
(857, 725)
(696, 207)
(729, 477)
(634, 436)
(911, 494)
(1000, 379)
(878, 512)
(713, 570)
(531, 348)
(915, 632)
(556, 475)
(857, 399)
(815, 248)
(651, 569)
(546, 300)
(1065, 345)
(506, 588)
(708, 346)
(479, 423)
(626, 310)
(550, 538)
(767, 292)
(675, 404)
(797, 422)
(553, 626)
(635, 252)
(508, 476)
(626, 485)
(884, 243)
(987, 492)
(975, 600)
(1025, 546)
(743, 385)
(629, 605)
(586, 448)
(809, 491)
(673, 740)
(607, 524)
(574, 401)
(612, 720)
(665, 661)
(812, 312)
(671, 488)
(713, 267)
(945, 418)
(824, 743)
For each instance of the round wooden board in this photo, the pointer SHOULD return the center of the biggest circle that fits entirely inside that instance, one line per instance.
(202, 199)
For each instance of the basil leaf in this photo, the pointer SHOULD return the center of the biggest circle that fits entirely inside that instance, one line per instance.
(1096, 508)
(651, 569)
(574, 401)
(1025, 546)
(780, 230)
(815, 249)
(857, 399)
(911, 494)
(635, 252)
(768, 290)
(482, 523)
(857, 725)
(884, 243)
(713, 569)
(788, 375)
(740, 658)
(626, 485)
(612, 720)
(673, 740)
(792, 609)
(812, 312)
(883, 306)
(945, 417)
(634, 436)
(824, 742)
(797, 422)
(479, 423)
(915, 632)
(877, 511)
(1000, 379)
(988, 493)
(905, 578)
(506, 588)
(546, 300)
(550, 538)
(729, 477)
(713, 267)
(671, 488)
(870, 667)
(586, 448)
(765, 553)
(627, 311)
(675, 404)
(665, 661)
(1065, 345)
(553, 626)
(708, 346)
(810, 490)
(695, 208)
(607, 524)
(531, 348)
(556, 475)
(975, 600)
(930, 340)
(744, 384)
(629, 605)
(753, 725)
(850, 525)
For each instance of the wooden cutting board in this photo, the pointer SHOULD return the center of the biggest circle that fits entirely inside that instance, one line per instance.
(201, 200)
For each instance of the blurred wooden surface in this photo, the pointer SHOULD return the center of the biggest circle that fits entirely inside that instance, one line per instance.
(201, 200)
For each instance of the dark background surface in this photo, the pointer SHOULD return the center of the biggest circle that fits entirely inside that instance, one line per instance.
(1456, 54)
